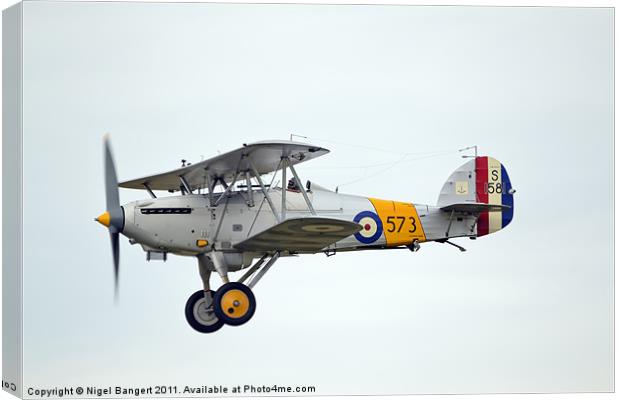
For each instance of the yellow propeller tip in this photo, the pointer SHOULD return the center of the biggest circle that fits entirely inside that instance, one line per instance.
(104, 219)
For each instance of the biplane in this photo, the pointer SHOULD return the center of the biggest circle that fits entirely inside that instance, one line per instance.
(224, 214)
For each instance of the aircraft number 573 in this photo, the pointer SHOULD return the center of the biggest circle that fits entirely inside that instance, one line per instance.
(398, 225)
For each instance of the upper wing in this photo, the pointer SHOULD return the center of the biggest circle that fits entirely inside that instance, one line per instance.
(474, 208)
(265, 156)
(300, 234)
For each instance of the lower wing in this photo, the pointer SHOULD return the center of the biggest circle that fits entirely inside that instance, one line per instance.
(300, 234)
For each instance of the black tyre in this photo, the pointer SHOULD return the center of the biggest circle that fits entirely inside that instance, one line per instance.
(201, 315)
(234, 303)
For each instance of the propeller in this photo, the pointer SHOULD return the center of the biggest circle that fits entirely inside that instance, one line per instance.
(114, 217)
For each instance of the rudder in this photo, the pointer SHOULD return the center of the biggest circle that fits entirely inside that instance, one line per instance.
(483, 180)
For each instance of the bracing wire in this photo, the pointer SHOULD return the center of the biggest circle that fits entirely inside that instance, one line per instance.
(374, 148)
(394, 164)
(403, 160)
(405, 157)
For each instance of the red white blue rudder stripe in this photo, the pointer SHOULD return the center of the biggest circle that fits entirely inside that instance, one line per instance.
(493, 187)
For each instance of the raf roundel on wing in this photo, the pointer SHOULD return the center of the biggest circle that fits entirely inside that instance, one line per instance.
(372, 227)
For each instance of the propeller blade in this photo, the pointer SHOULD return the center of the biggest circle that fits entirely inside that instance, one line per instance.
(114, 240)
(113, 218)
(111, 182)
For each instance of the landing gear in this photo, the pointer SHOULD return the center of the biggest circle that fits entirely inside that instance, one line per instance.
(234, 303)
(199, 312)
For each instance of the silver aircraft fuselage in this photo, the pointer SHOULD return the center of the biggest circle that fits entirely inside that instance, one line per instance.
(183, 224)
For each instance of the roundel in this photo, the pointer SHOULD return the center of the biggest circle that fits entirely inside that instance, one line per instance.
(372, 228)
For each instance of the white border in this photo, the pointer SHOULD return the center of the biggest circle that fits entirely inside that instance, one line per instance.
(523, 3)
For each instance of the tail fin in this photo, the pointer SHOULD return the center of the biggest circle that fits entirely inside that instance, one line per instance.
(481, 186)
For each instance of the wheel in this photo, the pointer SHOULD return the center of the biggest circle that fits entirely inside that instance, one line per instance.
(200, 315)
(234, 303)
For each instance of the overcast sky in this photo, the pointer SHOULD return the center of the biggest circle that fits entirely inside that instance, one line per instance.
(527, 309)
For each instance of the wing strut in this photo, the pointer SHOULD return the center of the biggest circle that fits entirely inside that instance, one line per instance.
(248, 184)
(262, 188)
(303, 190)
(148, 189)
(210, 187)
(264, 270)
(228, 189)
(284, 162)
(253, 269)
(185, 184)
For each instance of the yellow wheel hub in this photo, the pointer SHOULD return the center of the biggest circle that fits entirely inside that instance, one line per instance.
(235, 303)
